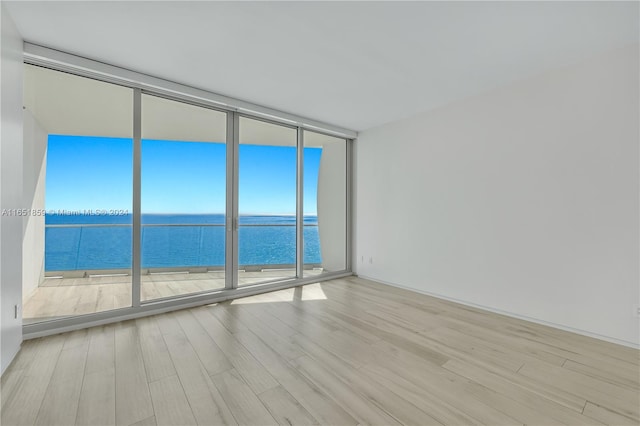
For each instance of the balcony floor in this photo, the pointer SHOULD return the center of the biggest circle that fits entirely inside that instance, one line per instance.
(64, 297)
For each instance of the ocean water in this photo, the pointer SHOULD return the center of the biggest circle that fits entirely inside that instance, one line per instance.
(74, 244)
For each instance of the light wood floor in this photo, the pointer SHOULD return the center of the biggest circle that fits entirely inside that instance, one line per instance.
(343, 352)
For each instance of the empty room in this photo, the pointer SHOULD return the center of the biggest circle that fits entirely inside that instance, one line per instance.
(319, 213)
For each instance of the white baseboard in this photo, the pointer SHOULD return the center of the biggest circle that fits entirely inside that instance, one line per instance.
(510, 314)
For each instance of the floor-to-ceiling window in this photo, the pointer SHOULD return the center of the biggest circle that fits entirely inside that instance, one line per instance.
(183, 181)
(325, 203)
(149, 198)
(82, 196)
(267, 201)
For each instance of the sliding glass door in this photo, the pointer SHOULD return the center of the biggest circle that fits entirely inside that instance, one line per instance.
(325, 204)
(183, 202)
(266, 202)
(78, 147)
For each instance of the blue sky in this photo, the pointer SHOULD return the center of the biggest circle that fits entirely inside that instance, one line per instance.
(91, 173)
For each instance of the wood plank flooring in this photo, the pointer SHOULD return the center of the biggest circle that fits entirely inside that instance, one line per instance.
(341, 352)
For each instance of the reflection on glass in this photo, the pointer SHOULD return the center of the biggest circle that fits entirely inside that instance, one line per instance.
(267, 202)
(325, 203)
(183, 198)
(77, 241)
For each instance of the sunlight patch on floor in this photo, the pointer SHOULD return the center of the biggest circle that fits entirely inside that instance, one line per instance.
(302, 293)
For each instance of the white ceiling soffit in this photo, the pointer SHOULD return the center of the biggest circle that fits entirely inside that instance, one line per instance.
(66, 104)
(351, 64)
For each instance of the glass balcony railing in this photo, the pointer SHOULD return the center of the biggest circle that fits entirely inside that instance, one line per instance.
(102, 248)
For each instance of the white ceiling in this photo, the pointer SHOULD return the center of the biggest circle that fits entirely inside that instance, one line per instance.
(352, 64)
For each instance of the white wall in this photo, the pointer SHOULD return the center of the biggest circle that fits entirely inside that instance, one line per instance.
(34, 174)
(522, 200)
(11, 70)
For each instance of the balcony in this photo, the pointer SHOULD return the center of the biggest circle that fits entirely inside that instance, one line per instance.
(87, 266)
